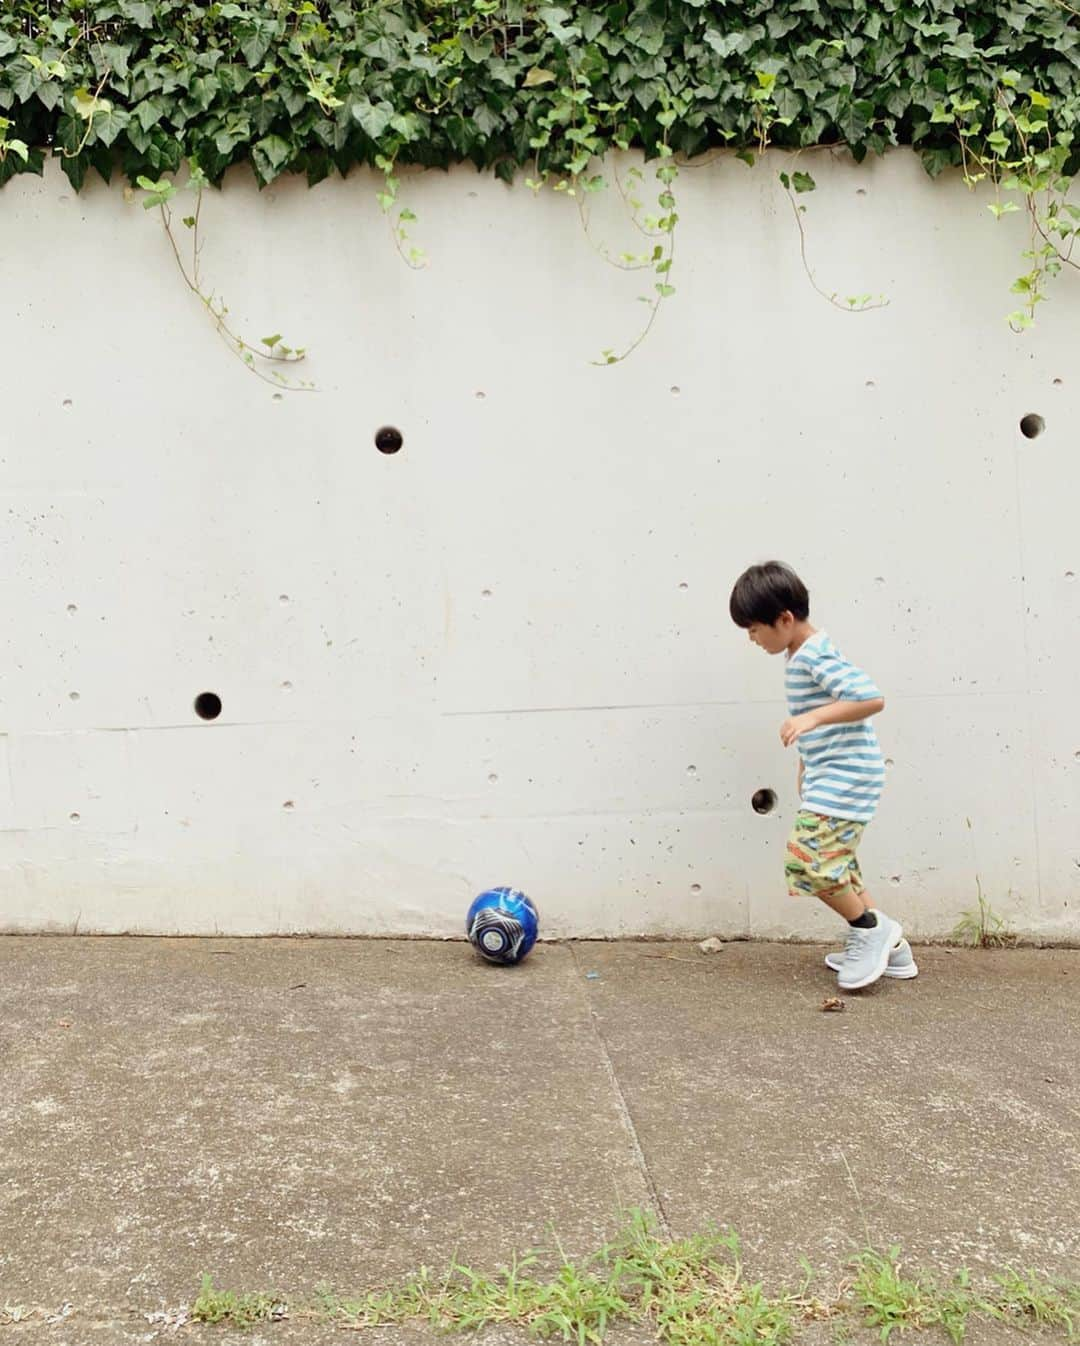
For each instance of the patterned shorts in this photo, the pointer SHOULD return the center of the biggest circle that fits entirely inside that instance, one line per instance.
(821, 860)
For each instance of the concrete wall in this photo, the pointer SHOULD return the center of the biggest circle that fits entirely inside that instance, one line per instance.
(503, 654)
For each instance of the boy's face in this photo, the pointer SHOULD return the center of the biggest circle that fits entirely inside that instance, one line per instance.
(773, 639)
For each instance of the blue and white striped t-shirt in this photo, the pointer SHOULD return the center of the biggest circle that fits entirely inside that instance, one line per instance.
(843, 770)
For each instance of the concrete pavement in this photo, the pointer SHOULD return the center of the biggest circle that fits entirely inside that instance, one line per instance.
(289, 1112)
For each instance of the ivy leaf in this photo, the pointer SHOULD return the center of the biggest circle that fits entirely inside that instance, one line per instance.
(48, 94)
(373, 118)
(24, 81)
(75, 166)
(109, 121)
(114, 57)
(271, 154)
(157, 193)
(485, 120)
(139, 11)
(538, 76)
(150, 111)
(85, 104)
(803, 182)
(271, 341)
(556, 20)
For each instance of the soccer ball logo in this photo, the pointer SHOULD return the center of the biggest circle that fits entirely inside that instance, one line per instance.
(502, 925)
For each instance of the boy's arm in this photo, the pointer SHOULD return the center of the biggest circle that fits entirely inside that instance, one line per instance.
(836, 712)
(855, 696)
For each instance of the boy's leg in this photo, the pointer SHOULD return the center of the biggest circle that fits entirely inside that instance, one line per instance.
(821, 862)
(902, 965)
(845, 903)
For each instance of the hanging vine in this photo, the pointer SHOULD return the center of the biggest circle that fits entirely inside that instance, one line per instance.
(554, 91)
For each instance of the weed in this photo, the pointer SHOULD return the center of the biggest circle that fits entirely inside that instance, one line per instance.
(983, 928)
(225, 1306)
(685, 1292)
(890, 1301)
(1027, 1295)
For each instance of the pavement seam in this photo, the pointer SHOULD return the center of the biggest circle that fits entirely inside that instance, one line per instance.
(621, 1105)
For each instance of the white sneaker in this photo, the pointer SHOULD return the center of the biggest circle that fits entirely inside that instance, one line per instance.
(866, 954)
(901, 964)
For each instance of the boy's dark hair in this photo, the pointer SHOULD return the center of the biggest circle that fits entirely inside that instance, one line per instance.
(763, 592)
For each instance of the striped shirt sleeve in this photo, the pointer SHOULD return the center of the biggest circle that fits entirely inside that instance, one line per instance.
(839, 678)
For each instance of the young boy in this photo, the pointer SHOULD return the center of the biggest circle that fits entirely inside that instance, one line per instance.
(841, 771)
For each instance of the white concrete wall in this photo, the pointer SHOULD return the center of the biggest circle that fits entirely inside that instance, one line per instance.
(504, 655)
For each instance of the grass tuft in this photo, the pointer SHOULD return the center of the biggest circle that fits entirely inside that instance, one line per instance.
(237, 1310)
(684, 1292)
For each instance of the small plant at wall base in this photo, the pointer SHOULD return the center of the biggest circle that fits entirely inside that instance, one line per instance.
(982, 927)
(151, 87)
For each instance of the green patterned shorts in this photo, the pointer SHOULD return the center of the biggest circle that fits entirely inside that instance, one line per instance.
(821, 860)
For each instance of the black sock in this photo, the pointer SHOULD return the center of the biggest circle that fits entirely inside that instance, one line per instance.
(866, 921)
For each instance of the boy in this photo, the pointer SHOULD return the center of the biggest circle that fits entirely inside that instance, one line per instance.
(841, 771)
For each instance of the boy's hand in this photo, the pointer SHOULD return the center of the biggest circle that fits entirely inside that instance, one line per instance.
(796, 726)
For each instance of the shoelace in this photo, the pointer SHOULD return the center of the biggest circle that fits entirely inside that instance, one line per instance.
(855, 934)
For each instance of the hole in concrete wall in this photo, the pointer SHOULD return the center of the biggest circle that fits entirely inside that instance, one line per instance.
(493, 779)
(388, 439)
(683, 585)
(73, 817)
(763, 801)
(485, 593)
(67, 402)
(889, 761)
(480, 396)
(288, 804)
(695, 887)
(675, 390)
(72, 608)
(73, 696)
(283, 598)
(208, 705)
(277, 397)
(1032, 425)
(1058, 383)
(895, 880)
(691, 770)
(1070, 574)
(286, 686)
(870, 383)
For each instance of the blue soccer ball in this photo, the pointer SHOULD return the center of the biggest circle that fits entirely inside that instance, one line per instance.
(502, 925)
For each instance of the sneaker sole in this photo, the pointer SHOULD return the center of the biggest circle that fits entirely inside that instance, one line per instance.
(879, 971)
(897, 974)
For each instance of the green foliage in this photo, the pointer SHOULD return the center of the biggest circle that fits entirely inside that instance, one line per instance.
(1026, 1296)
(225, 1306)
(680, 1291)
(890, 1301)
(317, 87)
(983, 928)
(689, 1291)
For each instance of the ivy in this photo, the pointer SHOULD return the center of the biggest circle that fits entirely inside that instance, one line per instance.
(317, 87)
